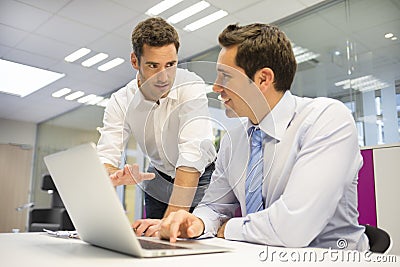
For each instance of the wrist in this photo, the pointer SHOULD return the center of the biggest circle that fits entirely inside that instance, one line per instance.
(221, 230)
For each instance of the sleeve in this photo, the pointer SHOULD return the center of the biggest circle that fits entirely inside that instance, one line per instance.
(327, 163)
(219, 202)
(195, 140)
(113, 134)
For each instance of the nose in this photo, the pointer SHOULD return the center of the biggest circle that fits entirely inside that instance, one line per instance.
(162, 76)
(217, 88)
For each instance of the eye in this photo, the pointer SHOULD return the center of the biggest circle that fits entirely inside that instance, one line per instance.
(225, 78)
(171, 64)
(152, 66)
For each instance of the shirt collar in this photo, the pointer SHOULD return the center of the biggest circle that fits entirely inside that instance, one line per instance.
(277, 121)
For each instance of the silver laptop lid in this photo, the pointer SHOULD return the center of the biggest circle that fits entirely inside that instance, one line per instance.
(90, 199)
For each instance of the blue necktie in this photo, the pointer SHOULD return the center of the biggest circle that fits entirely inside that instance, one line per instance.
(254, 179)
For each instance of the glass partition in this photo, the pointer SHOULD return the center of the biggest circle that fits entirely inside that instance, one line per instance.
(347, 50)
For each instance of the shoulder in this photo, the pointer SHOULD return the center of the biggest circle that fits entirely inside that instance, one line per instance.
(126, 92)
(321, 106)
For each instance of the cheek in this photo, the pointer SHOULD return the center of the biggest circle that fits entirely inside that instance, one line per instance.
(171, 72)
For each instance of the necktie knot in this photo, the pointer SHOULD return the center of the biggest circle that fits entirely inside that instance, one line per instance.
(257, 137)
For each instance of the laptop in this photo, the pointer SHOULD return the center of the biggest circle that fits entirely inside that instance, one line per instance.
(97, 213)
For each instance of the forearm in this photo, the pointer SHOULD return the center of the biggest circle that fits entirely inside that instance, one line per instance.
(185, 185)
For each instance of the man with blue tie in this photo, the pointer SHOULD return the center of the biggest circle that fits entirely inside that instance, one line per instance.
(291, 168)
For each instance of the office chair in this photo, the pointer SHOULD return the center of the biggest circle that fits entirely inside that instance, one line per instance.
(379, 239)
(54, 218)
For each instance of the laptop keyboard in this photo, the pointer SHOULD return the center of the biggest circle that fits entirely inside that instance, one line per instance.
(148, 244)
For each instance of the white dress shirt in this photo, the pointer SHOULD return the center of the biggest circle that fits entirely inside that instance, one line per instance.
(175, 132)
(311, 163)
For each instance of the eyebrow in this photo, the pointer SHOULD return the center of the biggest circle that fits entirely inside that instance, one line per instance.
(157, 63)
(220, 69)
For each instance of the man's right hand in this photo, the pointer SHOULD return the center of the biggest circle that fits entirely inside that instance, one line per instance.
(129, 175)
(180, 224)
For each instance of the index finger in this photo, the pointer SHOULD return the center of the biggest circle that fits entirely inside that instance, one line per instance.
(165, 226)
(176, 225)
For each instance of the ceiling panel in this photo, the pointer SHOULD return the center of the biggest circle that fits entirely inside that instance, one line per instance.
(51, 6)
(25, 57)
(21, 16)
(269, 11)
(232, 6)
(42, 32)
(4, 50)
(69, 32)
(10, 36)
(113, 45)
(137, 6)
(101, 14)
(45, 47)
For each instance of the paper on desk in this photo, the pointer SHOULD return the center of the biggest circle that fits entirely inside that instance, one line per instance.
(63, 234)
(206, 235)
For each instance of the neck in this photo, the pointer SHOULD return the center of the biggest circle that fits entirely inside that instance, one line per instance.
(265, 106)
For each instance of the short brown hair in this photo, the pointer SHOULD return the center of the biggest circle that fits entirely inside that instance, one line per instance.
(153, 32)
(262, 46)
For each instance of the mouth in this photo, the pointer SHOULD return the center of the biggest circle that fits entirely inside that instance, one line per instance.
(162, 87)
(224, 99)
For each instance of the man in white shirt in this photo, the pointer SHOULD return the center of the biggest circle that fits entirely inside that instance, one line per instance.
(165, 109)
(302, 190)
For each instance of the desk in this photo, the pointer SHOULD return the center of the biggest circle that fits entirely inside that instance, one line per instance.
(42, 250)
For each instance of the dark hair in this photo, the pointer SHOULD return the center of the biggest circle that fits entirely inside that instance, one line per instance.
(262, 46)
(153, 32)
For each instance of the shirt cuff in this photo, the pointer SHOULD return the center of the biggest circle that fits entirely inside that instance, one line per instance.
(107, 161)
(196, 156)
(209, 218)
(233, 229)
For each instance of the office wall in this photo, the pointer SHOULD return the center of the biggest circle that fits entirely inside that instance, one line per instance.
(17, 132)
(17, 141)
(51, 139)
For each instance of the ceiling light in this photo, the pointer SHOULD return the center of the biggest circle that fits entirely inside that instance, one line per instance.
(77, 54)
(22, 80)
(306, 57)
(303, 54)
(297, 50)
(205, 21)
(104, 102)
(94, 60)
(389, 35)
(95, 100)
(161, 7)
(61, 92)
(74, 95)
(363, 83)
(394, 38)
(190, 11)
(86, 98)
(111, 64)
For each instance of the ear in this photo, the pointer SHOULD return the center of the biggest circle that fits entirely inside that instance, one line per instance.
(134, 61)
(264, 78)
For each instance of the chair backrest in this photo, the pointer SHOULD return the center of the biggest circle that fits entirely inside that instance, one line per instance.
(366, 190)
(379, 239)
(48, 184)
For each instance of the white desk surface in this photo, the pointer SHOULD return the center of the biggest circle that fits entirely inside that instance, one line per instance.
(42, 250)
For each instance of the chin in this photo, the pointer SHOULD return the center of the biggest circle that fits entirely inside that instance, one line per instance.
(230, 113)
